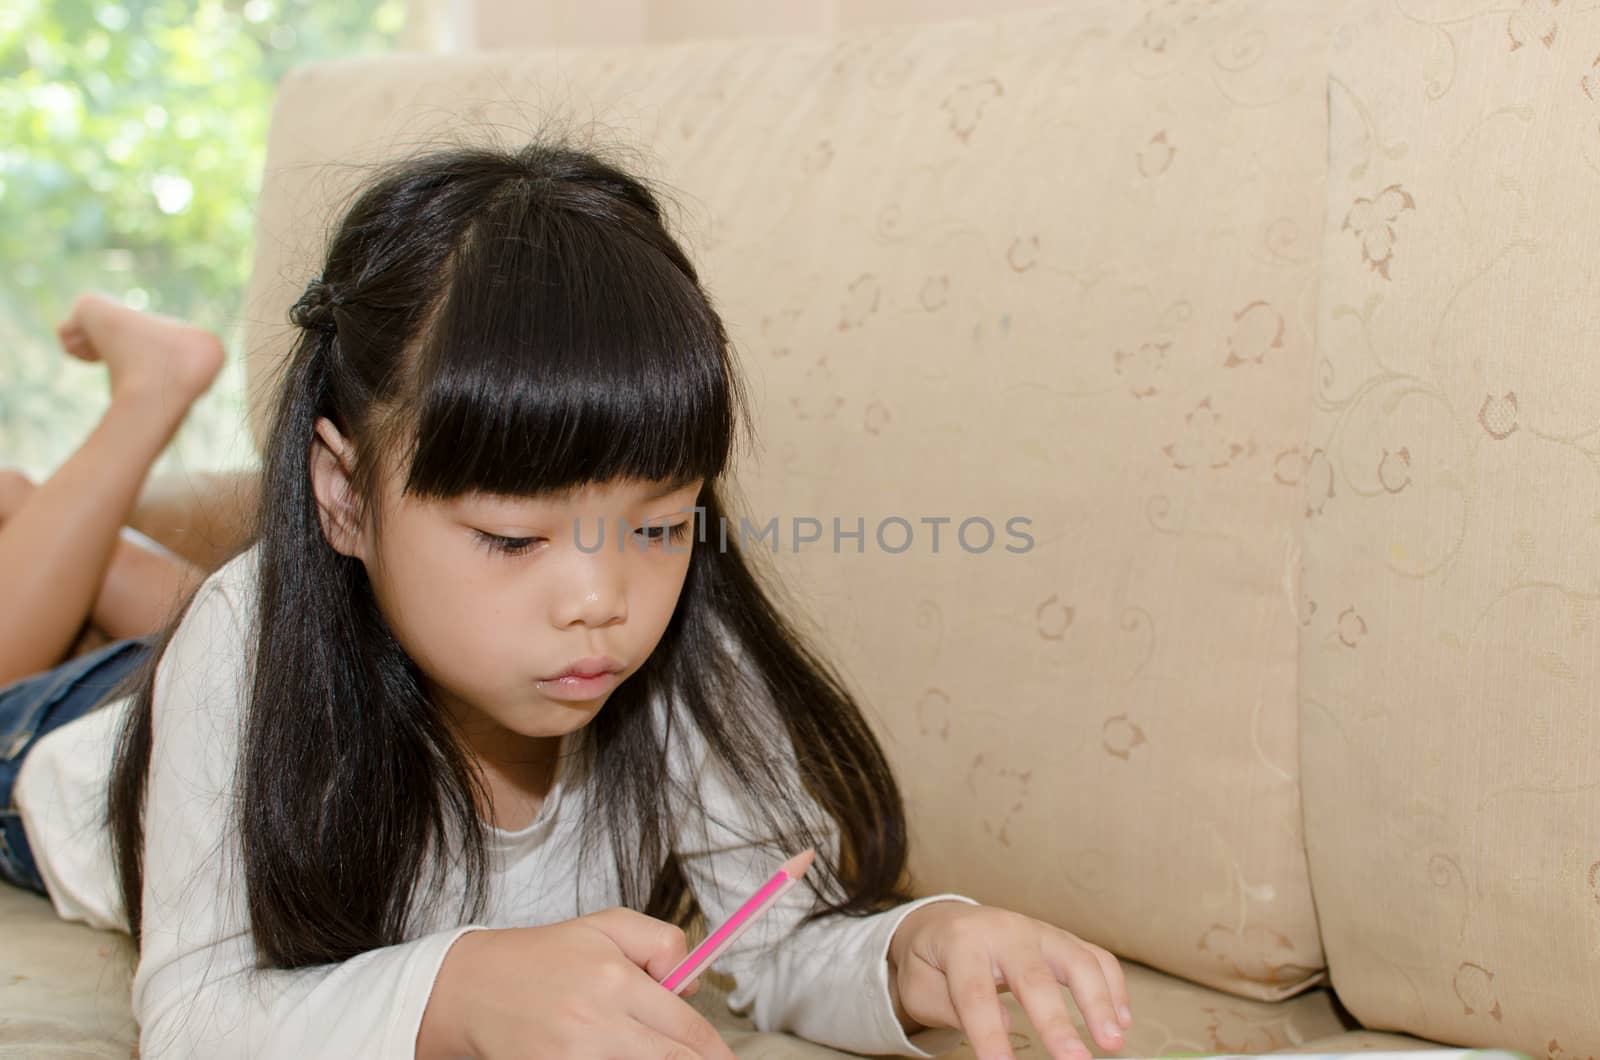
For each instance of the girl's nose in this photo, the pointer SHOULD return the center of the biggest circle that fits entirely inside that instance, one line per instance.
(594, 595)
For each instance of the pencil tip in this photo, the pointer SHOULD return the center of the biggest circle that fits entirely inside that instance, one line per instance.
(796, 866)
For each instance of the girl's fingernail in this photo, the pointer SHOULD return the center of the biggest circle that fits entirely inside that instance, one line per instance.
(1127, 1017)
(1111, 1031)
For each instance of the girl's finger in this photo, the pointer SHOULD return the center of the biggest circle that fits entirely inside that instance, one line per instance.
(1118, 981)
(982, 1017)
(640, 1039)
(666, 1018)
(1073, 963)
(1034, 984)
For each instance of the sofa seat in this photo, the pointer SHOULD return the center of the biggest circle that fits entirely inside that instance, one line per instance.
(73, 983)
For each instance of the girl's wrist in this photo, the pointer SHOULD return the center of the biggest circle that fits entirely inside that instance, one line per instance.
(443, 1034)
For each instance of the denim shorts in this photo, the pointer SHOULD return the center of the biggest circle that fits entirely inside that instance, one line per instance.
(36, 705)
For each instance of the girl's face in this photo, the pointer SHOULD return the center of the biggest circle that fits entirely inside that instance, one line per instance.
(492, 596)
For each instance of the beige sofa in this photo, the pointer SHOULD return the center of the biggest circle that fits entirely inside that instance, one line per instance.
(1279, 322)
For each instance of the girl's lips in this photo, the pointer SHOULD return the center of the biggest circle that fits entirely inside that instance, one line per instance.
(577, 688)
(593, 666)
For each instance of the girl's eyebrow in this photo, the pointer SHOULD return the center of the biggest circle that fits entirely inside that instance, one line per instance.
(673, 487)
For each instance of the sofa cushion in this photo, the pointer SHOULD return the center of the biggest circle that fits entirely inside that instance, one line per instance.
(1055, 265)
(65, 988)
(1379, 1041)
(64, 993)
(1453, 523)
(1173, 1017)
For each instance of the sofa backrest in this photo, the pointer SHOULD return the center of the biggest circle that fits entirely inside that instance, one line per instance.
(1449, 669)
(1057, 267)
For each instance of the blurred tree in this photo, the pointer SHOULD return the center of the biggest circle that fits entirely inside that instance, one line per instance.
(133, 136)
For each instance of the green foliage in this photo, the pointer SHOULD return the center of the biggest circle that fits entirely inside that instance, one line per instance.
(133, 136)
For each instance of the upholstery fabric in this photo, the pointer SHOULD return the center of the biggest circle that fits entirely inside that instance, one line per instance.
(1448, 654)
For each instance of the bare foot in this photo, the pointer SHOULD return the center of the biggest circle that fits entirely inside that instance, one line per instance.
(147, 354)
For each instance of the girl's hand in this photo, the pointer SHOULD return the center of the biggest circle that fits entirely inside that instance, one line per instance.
(583, 987)
(946, 958)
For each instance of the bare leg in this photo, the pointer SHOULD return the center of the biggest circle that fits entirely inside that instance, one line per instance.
(143, 585)
(55, 551)
(206, 517)
(143, 581)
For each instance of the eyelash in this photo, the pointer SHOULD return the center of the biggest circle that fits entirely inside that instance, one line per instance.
(516, 546)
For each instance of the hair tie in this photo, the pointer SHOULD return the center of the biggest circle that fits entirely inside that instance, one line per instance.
(315, 308)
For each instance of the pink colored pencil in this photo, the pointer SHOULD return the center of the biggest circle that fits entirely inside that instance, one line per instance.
(701, 956)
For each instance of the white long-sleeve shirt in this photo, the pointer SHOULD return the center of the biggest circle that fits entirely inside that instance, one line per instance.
(193, 994)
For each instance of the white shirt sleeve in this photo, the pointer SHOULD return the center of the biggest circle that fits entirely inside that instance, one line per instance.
(196, 991)
(827, 981)
(61, 794)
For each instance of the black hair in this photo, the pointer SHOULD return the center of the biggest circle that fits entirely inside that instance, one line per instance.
(519, 322)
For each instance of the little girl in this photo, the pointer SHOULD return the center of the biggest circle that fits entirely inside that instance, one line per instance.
(360, 785)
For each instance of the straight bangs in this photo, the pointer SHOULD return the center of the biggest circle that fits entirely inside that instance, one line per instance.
(569, 350)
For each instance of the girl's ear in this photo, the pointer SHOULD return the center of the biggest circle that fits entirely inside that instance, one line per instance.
(332, 459)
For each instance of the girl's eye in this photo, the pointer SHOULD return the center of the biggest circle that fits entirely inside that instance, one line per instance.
(510, 546)
(676, 533)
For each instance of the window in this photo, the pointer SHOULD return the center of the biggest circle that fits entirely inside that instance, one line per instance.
(132, 138)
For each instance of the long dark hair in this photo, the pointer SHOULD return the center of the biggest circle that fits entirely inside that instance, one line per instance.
(511, 321)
